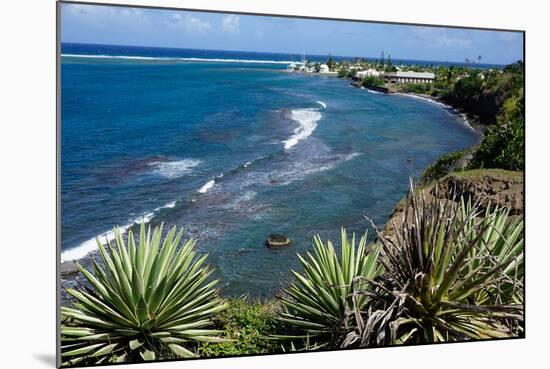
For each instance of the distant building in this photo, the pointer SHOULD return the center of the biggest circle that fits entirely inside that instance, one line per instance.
(408, 77)
(323, 68)
(367, 73)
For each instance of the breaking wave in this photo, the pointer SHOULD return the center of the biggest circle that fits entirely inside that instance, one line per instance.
(214, 60)
(307, 122)
(174, 169)
(207, 186)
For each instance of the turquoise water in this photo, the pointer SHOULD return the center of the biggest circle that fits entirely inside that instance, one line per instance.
(234, 151)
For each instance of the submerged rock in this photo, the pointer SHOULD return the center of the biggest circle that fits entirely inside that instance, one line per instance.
(277, 241)
(68, 268)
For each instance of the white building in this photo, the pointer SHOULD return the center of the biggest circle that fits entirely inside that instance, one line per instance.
(323, 68)
(292, 67)
(409, 77)
(367, 73)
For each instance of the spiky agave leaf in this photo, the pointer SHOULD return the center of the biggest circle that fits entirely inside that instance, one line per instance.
(318, 305)
(502, 244)
(148, 298)
(448, 275)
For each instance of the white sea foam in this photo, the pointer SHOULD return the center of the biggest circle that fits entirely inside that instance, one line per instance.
(301, 170)
(90, 245)
(426, 99)
(322, 104)
(374, 92)
(169, 205)
(145, 218)
(207, 186)
(307, 122)
(175, 169)
(240, 201)
(215, 60)
(466, 121)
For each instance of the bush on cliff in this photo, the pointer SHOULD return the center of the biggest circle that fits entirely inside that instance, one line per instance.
(451, 274)
(371, 81)
(246, 325)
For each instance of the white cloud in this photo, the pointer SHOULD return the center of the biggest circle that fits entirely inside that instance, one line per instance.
(189, 23)
(230, 23)
(102, 17)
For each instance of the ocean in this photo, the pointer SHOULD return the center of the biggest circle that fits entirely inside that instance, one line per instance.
(233, 148)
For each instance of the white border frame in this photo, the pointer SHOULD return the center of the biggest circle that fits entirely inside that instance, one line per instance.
(28, 189)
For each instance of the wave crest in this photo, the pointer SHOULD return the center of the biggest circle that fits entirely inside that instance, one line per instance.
(207, 186)
(214, 60)
(174, 169)
(307, 122)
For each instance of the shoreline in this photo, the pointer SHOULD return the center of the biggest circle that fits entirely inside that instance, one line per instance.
(324, 74)
(470, 120)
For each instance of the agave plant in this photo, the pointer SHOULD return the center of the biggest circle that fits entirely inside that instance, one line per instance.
(501, 244)
(452, 273)
(318, 305)
(148, 300)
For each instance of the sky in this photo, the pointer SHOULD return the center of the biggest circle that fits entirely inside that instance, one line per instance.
(223, 31)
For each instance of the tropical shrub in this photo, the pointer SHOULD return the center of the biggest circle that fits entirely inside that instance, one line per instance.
(371, 81)
(418, 88)
(246, 325)
(441, 167)
(503, 147)
(452, 273)
(317, 308)
(148, 301)
(343, 72)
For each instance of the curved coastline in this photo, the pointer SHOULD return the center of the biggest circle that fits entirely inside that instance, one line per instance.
(470, 121)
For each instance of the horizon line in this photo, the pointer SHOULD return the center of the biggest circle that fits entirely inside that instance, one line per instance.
(289, 53)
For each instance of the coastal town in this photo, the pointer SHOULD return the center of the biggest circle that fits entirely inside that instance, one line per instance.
(386, 76)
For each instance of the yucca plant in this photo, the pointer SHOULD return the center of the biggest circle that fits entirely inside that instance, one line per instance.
(318, 306)
(452, 273)
(503, 236)
(148, 301)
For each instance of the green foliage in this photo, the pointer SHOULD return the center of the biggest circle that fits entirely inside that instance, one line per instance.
(317, 67)
(497, 98)
(466, 91)
(317, 307)
(247, 325)
(441, 167)
(343, 72)
(148, 301)
(331, 64)
(504, 144)
(515, 68)
(371, 81)
(418, 88)
(503, 147)
(452, 273)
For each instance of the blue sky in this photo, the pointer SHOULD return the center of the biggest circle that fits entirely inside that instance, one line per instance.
(199, 30)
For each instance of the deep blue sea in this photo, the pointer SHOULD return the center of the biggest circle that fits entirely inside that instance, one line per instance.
(232, 147)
